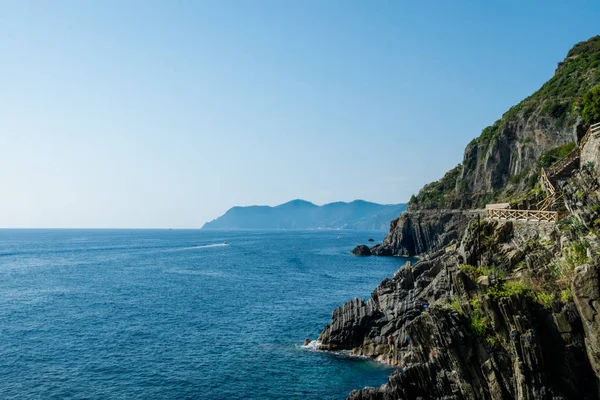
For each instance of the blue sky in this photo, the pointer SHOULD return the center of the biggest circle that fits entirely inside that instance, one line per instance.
(167, 113)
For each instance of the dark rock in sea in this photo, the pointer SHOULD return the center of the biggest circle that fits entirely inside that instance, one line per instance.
(371, 240)
(307, 342)
(380, 250)
(361, 250)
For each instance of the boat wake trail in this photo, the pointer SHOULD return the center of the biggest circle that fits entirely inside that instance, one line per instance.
(206, 246)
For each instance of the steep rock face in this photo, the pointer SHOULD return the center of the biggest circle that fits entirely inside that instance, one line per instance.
(350, 324)
(531, 360)
(489, 165)
(586, 293)
(590, 154)
(422, 232)
(581, 196)
(421, 321)
(370, 328)
(582, 200)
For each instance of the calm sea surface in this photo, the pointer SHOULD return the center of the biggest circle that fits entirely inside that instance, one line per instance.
(159, 314)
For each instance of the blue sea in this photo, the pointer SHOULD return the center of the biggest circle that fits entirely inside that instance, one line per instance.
(177, 314)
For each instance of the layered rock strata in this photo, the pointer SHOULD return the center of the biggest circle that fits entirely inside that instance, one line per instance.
(423, 319)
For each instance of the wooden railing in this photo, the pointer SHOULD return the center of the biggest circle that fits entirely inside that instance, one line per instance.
(594, 130)
(546, 203)
(561, 164)
(499, 211)
(522, 215)
(558, 167)
(546, 184)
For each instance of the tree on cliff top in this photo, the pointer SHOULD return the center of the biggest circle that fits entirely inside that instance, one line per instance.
(590, 105)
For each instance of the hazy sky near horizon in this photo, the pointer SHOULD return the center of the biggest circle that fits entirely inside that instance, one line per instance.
(148, 114)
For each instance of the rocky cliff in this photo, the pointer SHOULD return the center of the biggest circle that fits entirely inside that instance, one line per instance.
(493, 310)
(522, 325)
(504, 160)
(420, 232)
(503, 163)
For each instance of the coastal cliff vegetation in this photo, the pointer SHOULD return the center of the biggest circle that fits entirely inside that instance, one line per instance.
(503, 159)
(496, 309)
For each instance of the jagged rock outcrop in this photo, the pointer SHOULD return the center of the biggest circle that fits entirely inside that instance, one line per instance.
(421, 321)
(350, 323)
(582, 200)
(421, 232)
(580, 196)
(454, 336)
(530, 361)
(586, 293)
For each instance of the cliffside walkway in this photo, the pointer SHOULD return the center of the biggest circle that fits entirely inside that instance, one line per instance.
(561, 169)
(521, 215)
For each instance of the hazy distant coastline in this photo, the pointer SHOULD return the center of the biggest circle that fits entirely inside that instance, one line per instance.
(301, 214)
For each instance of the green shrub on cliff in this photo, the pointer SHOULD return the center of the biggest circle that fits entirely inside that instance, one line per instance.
(439, 194)
(524, 287)
(545, 299)
(482, 270)
(455, 304)
(517, 178)
(566, 295)
(551, 156)
(509, 288)
(573, 79)
(572, 223)
(479, 321)
(590, 105)
(491, 340)
(470, 270)
(574, 74)
(576, 254)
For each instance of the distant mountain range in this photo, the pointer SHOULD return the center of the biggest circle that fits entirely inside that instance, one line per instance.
(301, 214)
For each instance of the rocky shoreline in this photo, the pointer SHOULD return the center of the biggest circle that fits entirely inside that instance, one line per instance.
(422, 321)
(521, 325)
(495, 309)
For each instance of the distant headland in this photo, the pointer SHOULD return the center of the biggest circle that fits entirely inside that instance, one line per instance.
(301, 214)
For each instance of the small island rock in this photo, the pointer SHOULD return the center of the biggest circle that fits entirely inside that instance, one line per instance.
(361, 250)
(371, 240)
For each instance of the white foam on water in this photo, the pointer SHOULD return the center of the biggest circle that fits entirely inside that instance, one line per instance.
(313, 345)
(206, 246)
